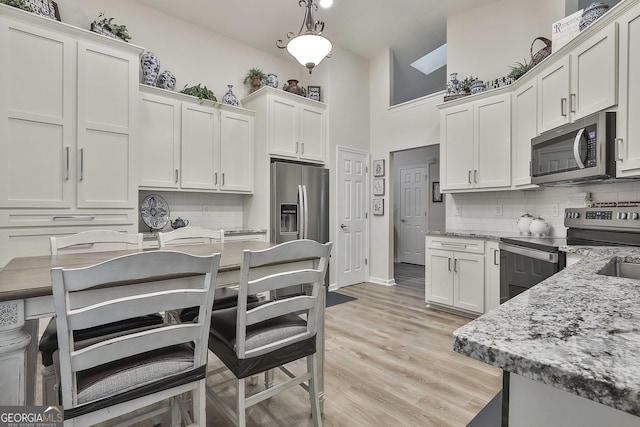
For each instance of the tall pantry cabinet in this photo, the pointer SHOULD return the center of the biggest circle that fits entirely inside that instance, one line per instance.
(68, 102)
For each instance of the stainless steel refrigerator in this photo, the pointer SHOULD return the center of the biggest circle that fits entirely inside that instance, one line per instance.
(299, 204)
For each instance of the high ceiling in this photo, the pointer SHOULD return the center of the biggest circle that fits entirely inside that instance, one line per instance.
(365, 27)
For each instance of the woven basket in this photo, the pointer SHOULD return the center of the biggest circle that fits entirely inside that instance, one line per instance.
(542, 53)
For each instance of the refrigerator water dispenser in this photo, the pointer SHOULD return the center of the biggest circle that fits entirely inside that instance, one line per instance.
(288, 218)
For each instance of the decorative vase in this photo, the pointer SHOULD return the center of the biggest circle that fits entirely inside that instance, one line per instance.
(229, 98)
(272, 80)
(453, 86)
(166, 80)
(477, 86)
(292, 86)
(150, 68)
(591, 13)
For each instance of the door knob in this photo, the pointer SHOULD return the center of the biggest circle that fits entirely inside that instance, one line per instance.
(343, 226)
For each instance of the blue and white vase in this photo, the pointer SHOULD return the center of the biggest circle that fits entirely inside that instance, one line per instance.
(229, 98)
(272, 80)
(453, 86)
(150, 68)
(166, 80)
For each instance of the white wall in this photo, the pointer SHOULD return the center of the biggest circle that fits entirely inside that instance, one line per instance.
(486, 41)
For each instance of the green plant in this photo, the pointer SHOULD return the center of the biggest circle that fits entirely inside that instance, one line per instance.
(200, 92)
(119, 31)
(20, 4)
(519, 69)
(255, 78)
(465, 85)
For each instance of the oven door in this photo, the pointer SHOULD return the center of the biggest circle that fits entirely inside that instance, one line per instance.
(522, 268)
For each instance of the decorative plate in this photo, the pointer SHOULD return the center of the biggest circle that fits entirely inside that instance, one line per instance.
(155, 212)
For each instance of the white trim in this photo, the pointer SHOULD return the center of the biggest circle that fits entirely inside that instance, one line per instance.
(384, 282)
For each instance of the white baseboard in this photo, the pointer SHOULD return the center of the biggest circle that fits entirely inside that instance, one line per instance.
(385, 282)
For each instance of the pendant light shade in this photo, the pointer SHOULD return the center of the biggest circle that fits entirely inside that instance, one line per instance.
(309, 47)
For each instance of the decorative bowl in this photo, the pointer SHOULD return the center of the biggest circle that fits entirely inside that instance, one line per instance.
(591, 13)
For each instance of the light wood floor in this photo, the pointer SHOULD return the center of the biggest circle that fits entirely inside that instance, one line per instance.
(388, 363)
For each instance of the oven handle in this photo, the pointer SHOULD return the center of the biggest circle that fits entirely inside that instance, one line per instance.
(531, 253)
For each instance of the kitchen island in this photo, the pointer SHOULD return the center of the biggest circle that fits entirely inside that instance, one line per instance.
(570, 346)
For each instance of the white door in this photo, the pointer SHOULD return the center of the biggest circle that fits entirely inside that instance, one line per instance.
(413, 214)
(352, 236)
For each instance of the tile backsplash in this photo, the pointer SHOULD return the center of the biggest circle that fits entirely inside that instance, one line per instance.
(499, 211)
(224, 210)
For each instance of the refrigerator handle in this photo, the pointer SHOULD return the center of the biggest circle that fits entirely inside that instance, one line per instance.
(300, 212)
(305, 212)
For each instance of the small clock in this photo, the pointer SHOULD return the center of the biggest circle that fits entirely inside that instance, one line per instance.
(378, 187)
(378, 167)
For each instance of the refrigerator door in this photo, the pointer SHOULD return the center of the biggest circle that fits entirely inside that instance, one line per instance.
(286, 202)
(315, 182)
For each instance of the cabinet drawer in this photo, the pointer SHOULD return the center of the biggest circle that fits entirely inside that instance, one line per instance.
(458, 244)
(48, 218)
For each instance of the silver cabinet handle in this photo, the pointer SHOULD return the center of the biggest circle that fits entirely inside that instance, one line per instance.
(563, 107)
(222, 178)
(455, 265)
(449, 262)
(572, 103)
(475, 176)
(66, 173)
(215, 178)
(469, 177)
(619, 151)
(81, 164)
(297, 147)
(496, 260)
(176, 178)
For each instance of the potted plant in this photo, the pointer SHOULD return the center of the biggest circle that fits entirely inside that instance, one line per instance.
(465, 85)
(20, 4)
(105, 26)
(519, 70)
(200, 92)
(255, 78)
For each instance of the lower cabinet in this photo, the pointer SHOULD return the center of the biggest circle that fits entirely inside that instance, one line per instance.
(455, 271)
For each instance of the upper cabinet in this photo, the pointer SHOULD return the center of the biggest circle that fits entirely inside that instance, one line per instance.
(67, 116)
(476, 144)
(189, 145)
(294, 127)
(524, 122)
(580, 83)
(628, 125)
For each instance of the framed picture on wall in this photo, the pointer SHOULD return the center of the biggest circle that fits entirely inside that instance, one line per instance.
(378, 187)
(378, 206)
(314, 93)
(378, 167)
(436, 195)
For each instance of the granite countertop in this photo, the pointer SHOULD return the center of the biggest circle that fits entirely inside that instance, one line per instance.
(578, 331)
(487, 235)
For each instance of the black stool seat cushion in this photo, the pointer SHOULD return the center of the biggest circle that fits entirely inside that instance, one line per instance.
(223, 298)
(49, 342)
(222, 341)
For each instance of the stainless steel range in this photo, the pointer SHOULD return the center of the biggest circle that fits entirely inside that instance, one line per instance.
(527, 261)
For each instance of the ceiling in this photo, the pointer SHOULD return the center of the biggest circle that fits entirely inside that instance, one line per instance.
(366, 27)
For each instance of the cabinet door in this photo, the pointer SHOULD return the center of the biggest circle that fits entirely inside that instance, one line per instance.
(199, 147)
(594, 73)
(439, 277)
(312, 133)
(283, 127)
(468, 284)
(628, 132)
(107, 113)
(553, 95)
(236, 152)
(524, 118)
(37, 117)
(492, 118)
(456, 149)
(158, 149)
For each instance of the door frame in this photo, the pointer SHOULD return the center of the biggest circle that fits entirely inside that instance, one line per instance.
(340, 149)
(398, 218)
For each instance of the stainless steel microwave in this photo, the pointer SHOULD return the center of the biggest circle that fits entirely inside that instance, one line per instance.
(581, 151)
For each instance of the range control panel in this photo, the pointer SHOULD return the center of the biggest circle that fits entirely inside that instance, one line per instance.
(609, 217)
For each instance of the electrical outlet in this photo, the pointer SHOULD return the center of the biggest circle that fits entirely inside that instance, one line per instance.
(457, 211)
(498, 211)
(555, 211)
(205, 209)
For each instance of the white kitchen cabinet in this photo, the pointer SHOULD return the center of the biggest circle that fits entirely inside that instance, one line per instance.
(294, 127)
(68, 117)
(492, 275)
(455, 271)
(188, 145)
(476, 144)
(628, 125)
(524, 121)
(580, 83)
